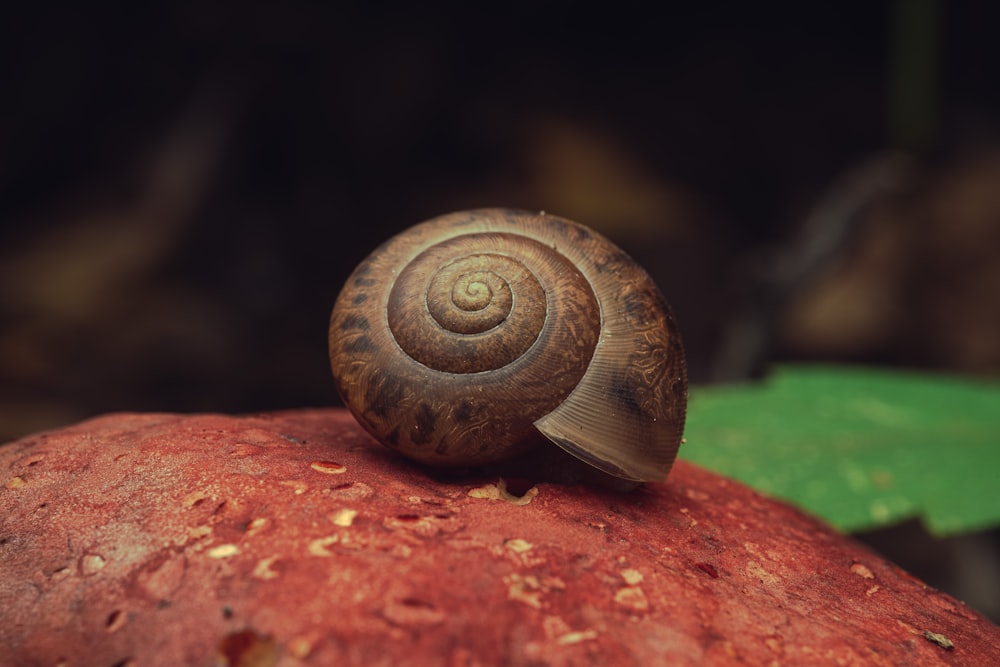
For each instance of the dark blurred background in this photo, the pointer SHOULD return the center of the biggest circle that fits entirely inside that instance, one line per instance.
(184, 187)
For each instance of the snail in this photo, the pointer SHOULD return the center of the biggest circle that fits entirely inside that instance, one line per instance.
(461, 339)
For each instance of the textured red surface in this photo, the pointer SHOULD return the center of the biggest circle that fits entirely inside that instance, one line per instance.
(292, 538)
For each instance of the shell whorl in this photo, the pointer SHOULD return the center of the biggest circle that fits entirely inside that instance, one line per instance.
(458, 339)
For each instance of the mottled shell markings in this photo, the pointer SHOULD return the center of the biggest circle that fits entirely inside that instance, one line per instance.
(459, 340)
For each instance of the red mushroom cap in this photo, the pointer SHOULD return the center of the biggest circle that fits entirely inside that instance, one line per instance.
(292, 538)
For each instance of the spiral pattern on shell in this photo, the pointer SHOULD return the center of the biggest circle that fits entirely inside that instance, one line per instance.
(460, 339)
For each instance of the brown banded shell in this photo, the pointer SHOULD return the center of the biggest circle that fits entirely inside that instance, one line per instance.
(460, 339)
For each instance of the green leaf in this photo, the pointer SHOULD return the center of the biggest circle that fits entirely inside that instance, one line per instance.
(859, 447)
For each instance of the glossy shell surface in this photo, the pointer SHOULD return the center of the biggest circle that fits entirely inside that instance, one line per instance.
(460, 339)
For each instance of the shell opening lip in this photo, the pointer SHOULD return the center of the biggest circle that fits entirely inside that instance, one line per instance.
(604, 466)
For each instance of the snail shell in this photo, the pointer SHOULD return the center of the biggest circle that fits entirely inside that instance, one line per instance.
(459, 340)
